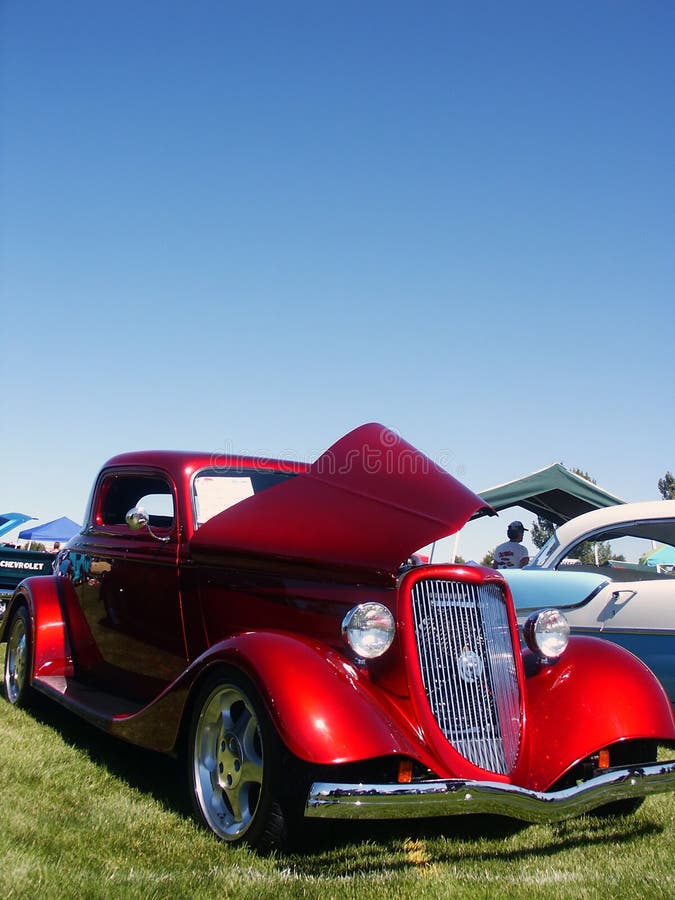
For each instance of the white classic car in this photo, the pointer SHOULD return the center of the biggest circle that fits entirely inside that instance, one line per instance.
(629, 603)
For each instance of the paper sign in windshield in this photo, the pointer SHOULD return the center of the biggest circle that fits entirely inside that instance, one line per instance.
(216, 493)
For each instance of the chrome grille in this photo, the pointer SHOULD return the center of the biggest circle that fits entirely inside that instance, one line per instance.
(468, 668)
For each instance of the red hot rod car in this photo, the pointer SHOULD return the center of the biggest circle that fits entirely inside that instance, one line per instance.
(257, 616)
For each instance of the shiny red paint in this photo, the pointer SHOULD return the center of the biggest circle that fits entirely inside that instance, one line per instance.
(51, 648)
(594, 696)
(319, 699)
(263, 587)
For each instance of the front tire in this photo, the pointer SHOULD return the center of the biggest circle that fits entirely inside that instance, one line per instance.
(235, 760)
(16, 686)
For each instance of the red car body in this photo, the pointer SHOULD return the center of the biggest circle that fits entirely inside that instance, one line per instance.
(144, 632)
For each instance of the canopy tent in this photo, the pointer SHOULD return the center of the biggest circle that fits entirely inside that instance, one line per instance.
(11, 520)
(662, 556)
(58, 530)
(554, 493)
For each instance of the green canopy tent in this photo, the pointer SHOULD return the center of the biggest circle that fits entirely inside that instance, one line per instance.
(554, 493)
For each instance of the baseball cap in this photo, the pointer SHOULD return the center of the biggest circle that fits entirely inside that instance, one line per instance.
(518, 524)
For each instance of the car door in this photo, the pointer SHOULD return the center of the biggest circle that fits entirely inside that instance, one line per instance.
(127, 588)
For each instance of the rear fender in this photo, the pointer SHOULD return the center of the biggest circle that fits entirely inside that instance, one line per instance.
(597, 694)
(57, 625)
(51, 650)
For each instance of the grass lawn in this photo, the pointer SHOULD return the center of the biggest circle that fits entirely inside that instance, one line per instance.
(87, 816)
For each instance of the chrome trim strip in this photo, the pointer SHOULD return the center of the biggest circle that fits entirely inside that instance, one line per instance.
(603, 629)
(607, 628)
(453, 797)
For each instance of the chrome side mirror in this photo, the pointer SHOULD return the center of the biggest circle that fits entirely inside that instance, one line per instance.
(137, 519)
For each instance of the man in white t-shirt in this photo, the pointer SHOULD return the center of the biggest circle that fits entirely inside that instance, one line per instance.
(512, 554)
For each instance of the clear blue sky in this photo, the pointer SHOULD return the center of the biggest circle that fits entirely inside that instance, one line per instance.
(256, 225)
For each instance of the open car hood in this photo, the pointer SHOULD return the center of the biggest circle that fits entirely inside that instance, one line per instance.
(368, 502)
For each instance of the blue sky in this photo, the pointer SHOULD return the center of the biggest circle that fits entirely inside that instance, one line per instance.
(257, 225)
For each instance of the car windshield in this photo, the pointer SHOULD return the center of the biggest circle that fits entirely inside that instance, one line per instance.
(546, 553)
(215, 490)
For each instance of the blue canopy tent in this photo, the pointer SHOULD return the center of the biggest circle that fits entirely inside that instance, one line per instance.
(57, 530)
(11, 520)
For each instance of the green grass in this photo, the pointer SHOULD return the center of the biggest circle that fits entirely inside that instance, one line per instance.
(87, 816)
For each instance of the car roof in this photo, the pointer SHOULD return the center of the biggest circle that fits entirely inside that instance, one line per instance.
(612, 516)
(178, 461)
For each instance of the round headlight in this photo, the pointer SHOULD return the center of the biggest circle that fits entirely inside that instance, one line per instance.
(369, 629)
(547, 633)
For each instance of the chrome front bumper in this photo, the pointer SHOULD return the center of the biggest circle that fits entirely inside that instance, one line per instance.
(453, 797)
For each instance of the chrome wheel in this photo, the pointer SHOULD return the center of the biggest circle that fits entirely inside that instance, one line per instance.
(17, 659)
(228, 761)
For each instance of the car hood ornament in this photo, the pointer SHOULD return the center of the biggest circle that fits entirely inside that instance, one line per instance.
(470, 666)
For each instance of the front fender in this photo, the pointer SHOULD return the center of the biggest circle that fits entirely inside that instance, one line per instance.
(595, 695)
(325, 709)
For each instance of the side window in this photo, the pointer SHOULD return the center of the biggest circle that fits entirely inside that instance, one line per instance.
(626, 555)
(120, 493)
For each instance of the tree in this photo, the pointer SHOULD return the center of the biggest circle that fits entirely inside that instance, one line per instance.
(488, 560)
(540, 531)
(667, 486)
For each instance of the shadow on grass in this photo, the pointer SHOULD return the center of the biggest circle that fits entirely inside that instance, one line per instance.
(397, 846)
(154, 774)
(327, 848)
